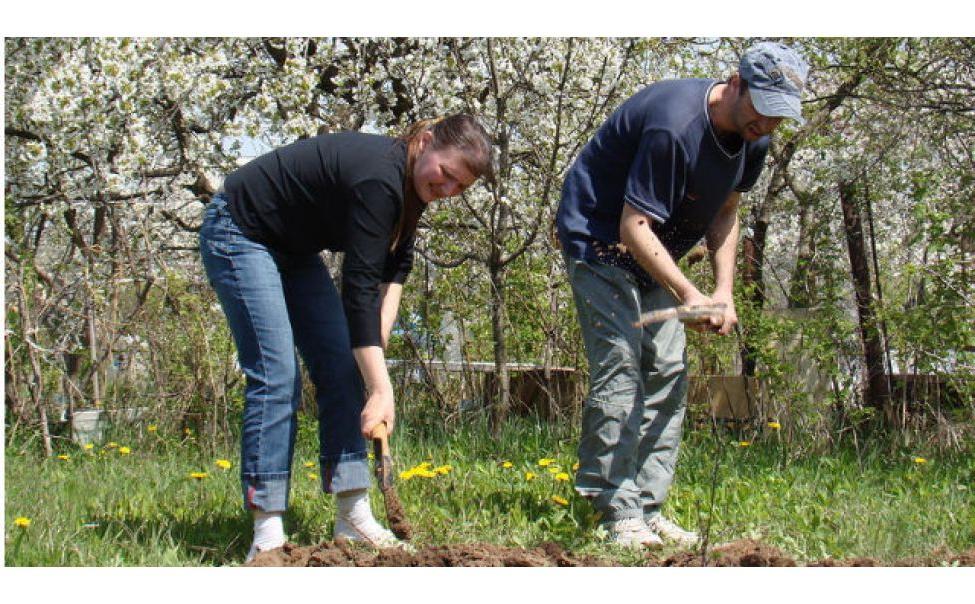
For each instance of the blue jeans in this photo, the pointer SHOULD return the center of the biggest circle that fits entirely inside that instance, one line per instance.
(275, 302)
(633, 415)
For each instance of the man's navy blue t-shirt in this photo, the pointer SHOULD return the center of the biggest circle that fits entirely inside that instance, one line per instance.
(659, 153)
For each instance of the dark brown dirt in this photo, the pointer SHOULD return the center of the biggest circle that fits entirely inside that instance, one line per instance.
(396, 515)
(342, 553)
(738, 553)
(939, 557)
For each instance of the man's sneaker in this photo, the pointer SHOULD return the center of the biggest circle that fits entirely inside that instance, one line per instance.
(366, 532)
(671, 531)
(631, 532)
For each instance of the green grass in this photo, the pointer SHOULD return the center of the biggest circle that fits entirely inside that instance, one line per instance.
(103, 508)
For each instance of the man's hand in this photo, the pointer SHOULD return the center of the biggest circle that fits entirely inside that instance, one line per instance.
(730, 318)
(696, 298)
(379, 408)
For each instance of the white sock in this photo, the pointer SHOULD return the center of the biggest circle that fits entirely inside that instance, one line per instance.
(268, 530)
(354, 505)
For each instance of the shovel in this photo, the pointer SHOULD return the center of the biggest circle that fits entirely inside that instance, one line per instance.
(395, 515)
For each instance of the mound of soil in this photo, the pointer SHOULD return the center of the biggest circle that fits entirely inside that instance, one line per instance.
(939, 557)
(737, 553)
(342, 553)
(745, 552)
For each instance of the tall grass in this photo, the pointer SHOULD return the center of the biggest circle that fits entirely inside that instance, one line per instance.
(105, 507)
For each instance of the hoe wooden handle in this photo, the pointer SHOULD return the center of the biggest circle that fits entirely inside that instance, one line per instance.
(685, 314)
(384, 460)
(380, 439)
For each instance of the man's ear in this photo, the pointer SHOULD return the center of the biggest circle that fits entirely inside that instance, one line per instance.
(735, 83)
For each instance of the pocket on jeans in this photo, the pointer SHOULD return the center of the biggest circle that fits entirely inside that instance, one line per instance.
(224, 237)
(604, 424)
(614, 366)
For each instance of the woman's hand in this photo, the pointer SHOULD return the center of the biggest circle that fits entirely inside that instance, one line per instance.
(379, 398)
(379, 408)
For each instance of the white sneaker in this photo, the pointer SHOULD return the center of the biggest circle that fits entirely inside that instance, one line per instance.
(632, 532)
(365, 531)
(671, 531)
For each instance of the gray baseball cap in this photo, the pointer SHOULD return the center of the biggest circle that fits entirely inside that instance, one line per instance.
(776, 77)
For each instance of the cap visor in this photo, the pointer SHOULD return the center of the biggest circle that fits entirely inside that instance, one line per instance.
(776, 104)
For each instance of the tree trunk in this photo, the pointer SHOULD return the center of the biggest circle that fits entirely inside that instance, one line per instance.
(500, 396)
(753, 256)
(802, 284)
(878, 386)
(36, 384)
(551, 330)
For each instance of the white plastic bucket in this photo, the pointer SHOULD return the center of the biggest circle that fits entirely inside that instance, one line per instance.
(88, 426)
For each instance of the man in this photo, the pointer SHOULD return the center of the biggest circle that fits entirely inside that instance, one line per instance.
(666, 169)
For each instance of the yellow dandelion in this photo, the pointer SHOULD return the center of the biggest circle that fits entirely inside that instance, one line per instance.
(371, 456)
(920, 460)
(151, 428)
(554, 469)
(89, 446)
(744, 443)
(112, 445)
(562, 476)
(444, 469)
(507, 464)
(64, 457)
(407, 474)
(560, 500)
(774, 425)
(575, 467)
(124, 450)
(309, 464)
(198, 475)
(22, 522)
(223, 464)
(529, 475)
(312, 476)
(425, 473)
(424, 466)
(545, 462)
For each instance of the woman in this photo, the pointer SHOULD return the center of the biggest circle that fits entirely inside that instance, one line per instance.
(350, 192)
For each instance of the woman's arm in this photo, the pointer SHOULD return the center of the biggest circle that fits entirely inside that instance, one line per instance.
(379, 405)
(391, 294)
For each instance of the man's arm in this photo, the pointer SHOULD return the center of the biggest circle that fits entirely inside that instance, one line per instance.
(650, 253)
(722, 239)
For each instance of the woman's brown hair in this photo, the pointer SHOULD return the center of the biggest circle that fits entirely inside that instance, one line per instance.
(459, 131)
